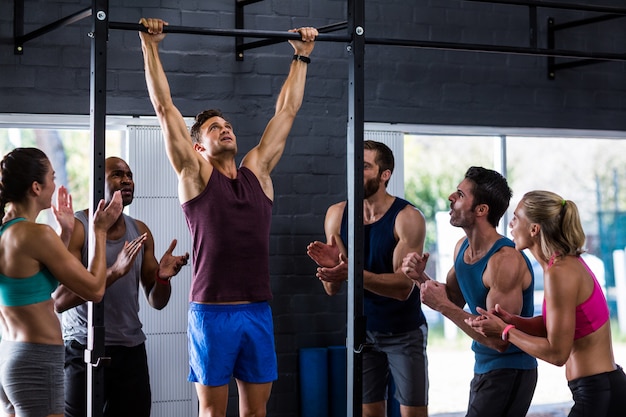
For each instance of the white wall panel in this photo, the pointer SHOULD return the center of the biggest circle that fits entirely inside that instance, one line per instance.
(395, 141)
(156, 204)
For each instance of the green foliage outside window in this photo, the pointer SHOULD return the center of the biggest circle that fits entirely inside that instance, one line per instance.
(68, 150)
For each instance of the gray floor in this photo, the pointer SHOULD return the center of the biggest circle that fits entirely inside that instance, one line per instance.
(547, 410)
(450, 370)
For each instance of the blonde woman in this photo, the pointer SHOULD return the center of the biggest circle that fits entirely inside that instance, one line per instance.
(574, 329)
(33, 260)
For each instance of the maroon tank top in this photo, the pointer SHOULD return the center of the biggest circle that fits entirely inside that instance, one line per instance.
(230, 226)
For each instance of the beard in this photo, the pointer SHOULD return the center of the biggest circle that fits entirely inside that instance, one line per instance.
(461, 219)
(371, 187)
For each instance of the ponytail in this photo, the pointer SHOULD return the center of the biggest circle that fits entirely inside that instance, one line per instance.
(18, 170)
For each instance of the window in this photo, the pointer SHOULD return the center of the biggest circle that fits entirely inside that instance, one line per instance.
(66, 141)
(587, 167)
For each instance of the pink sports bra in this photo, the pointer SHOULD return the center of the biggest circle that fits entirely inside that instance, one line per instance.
(592, 313)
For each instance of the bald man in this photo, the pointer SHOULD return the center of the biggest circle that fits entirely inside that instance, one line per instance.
(130, 261)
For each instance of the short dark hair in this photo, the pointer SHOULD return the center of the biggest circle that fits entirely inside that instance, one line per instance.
(18, 170)
(199, 121)
(492, 189)
(384, 155)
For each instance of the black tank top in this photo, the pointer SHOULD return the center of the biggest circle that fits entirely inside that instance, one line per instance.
(385, 314)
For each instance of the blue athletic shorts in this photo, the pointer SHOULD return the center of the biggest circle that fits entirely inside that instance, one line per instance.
(231, 340)
(401, 356)
(31, 378)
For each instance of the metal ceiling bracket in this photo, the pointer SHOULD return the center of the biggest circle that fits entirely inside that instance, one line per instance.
(19, 37)
(553, 28)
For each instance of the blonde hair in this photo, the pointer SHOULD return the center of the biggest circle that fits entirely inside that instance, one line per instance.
(561, 232)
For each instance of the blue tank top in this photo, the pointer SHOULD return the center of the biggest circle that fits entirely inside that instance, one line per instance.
(470, 279)
(385, 314)
(29, 290)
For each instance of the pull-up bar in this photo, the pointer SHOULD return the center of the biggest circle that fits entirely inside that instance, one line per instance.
(248, 33)
(378, 41)
(272, 37)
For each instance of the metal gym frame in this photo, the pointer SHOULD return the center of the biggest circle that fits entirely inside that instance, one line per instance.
(355, 43)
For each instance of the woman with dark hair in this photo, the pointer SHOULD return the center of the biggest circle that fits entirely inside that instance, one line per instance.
(33, 260)
(574, 329)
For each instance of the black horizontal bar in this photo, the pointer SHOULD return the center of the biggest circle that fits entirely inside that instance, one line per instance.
(552, 5)
(574, 64)
(247, 2)
(247, 33)
(383, 41)
(332, 27)
(496, 49)
(582, 22)
(266, 42)
(54, 25)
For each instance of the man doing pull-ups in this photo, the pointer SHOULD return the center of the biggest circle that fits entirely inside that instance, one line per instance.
(228, 210)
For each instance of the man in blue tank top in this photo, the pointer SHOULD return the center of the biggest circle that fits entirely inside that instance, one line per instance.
(487, 270)
(131, 262)
(396, 329)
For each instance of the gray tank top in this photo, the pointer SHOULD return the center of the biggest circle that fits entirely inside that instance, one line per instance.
(121, 303)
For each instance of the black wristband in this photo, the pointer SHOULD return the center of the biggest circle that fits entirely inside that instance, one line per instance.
(302, 58)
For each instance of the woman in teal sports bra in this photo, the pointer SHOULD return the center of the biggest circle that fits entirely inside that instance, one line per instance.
(574, 329)
(33, 260)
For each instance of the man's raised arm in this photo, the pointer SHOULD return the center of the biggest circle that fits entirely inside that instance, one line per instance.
(178, 144)
(265, 156)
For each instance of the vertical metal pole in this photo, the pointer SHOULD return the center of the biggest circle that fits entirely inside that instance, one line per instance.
(95, 344)
(356, 320)
(18, 26)
(532, 20)
(551, 45)
(502, 167)
(239, 24)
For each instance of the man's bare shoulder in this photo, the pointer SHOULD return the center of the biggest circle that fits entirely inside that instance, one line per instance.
(337, 207)
(508, 264)
(334, 214)
(509, 251)
(507, 255)
(411, 212)
(410, 224)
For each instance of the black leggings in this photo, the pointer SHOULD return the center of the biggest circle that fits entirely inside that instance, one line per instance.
(602, 395)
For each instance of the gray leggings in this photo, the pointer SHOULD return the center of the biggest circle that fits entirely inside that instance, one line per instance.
(31, 379)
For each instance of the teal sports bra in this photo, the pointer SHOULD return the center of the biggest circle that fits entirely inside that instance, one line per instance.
(23, 291)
